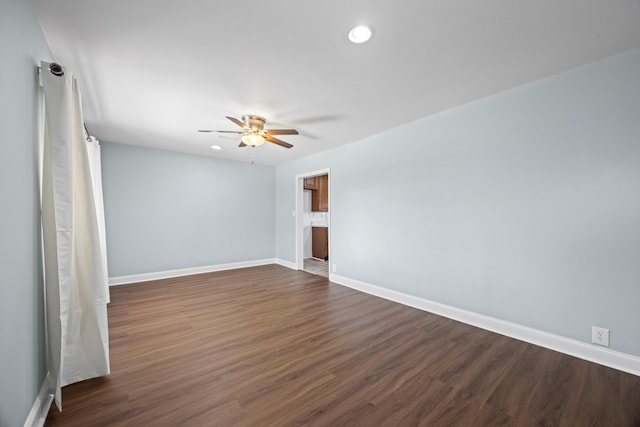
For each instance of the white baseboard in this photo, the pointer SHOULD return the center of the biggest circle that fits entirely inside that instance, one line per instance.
(38, 414)
(145, 277)
(285, 263)
(603, 356)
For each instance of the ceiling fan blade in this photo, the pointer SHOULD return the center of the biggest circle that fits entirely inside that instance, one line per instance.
(281, 131)
(236, 121)
(242, 144)
(221, 131)
(277, 141)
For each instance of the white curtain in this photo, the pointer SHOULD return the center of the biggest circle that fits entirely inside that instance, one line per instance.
(76, 288)
(95, 165)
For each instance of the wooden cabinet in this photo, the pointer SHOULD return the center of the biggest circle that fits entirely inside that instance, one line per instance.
(311, 183)
(320, 196)
(320, 242)
(323, 193)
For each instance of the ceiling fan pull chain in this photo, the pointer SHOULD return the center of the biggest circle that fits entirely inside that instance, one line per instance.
(252, 148)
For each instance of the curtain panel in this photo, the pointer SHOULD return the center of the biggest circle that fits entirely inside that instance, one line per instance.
(76, 288)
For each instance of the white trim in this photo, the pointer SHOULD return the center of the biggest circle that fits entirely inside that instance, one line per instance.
(318, 172)
(145, 277)
(285, 263)
(603, 356)
(40, 409)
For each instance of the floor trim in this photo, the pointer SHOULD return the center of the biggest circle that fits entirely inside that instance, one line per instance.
(145, 277)
(285, 263)
(38, 414)
(602, 356)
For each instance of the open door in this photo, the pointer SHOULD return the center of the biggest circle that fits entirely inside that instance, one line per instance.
(313, 213)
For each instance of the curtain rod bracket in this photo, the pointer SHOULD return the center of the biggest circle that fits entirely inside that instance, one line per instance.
(55, 68)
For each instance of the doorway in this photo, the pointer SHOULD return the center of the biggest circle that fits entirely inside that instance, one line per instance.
(313, 222)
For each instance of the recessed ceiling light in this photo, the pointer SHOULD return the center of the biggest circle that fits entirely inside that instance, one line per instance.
(216, 147)
(360, 34)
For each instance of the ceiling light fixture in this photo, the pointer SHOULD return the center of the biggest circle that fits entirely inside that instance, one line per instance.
(360, 34)
(216, 147)
(253, 139)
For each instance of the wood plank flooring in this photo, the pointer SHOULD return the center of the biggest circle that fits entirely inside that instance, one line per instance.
(269, 346)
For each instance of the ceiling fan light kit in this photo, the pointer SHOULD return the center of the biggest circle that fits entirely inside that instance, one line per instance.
(252, 139)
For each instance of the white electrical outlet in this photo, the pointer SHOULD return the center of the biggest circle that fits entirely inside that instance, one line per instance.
(600, 336)
(334, 268)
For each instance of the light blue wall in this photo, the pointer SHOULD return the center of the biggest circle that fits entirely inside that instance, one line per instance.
(166, 210)
(524, 206)
(22, 353)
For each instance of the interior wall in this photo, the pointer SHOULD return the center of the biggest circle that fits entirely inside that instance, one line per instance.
(166, 210)
(22, 353)
(524, 206)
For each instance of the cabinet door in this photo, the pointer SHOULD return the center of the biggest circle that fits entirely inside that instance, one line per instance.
(319, 242)
(311, 183)
(323, 193)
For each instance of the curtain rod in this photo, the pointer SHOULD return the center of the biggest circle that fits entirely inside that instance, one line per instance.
(56, 70)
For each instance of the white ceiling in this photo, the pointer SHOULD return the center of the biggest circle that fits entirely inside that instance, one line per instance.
(152, 72)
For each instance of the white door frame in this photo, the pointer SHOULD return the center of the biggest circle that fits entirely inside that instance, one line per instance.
(300, 212)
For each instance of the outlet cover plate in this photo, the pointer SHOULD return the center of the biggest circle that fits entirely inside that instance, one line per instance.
(600, 336)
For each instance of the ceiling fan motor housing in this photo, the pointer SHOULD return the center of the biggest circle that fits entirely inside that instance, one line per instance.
(254, 122)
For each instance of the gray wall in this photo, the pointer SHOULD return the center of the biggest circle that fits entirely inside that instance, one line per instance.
(166, 210)
(22, 353)
(524, 206)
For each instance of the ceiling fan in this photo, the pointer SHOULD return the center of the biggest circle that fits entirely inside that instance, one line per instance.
(254, 132)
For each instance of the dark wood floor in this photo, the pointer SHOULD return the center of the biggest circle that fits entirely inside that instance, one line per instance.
(268, 346)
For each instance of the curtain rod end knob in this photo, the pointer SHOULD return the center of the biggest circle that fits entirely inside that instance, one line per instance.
(56, 69)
